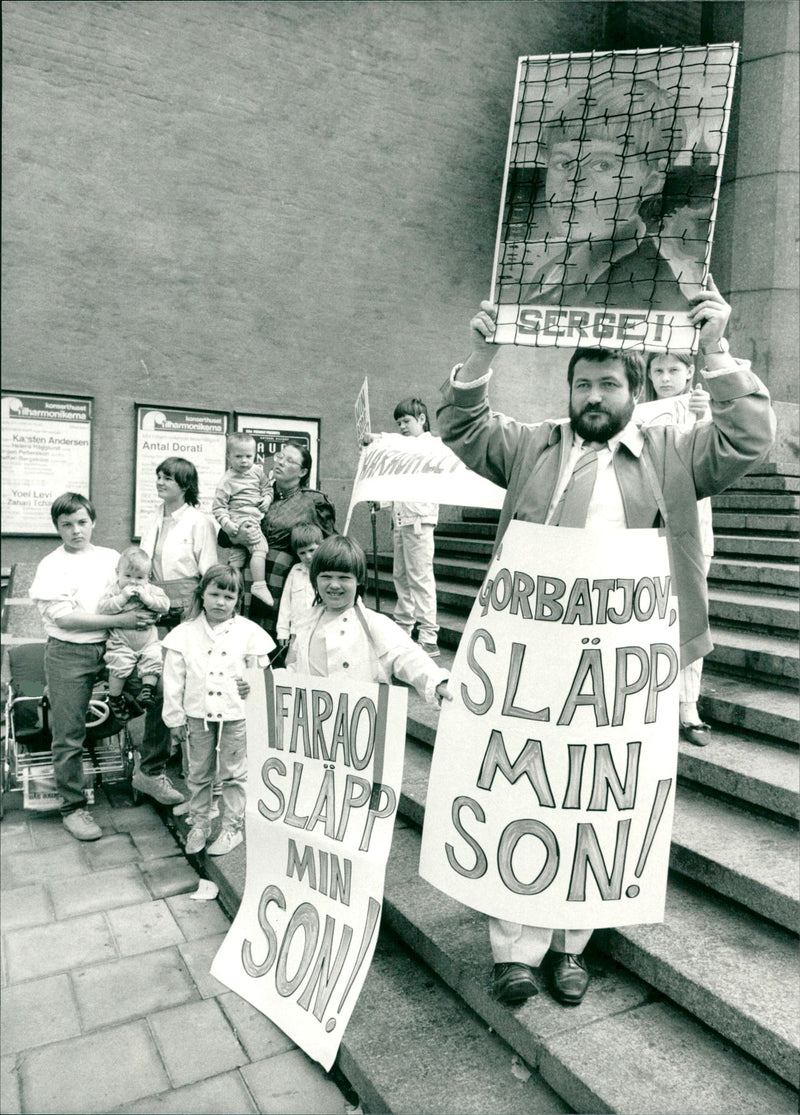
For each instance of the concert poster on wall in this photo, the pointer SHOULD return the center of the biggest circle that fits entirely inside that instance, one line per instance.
(196, 435)
(46, 450)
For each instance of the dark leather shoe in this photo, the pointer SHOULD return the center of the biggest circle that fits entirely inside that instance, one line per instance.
(569, 978)
(513, 983)
(698, 734)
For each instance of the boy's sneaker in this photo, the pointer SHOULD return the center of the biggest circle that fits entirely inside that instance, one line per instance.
(156, 786)
(119, 707)
(82, 825)
(196, 840)
(146, 695)
(227, 840)
(431, 649)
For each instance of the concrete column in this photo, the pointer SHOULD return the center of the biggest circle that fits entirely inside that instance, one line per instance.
(762, 231)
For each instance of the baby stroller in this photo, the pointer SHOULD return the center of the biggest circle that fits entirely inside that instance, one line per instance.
(27, 762)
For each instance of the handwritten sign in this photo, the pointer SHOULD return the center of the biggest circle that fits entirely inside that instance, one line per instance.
(552, 784)
(46, 451)
(612, 179)
(363, 425)
(325, 760)
(423, 469)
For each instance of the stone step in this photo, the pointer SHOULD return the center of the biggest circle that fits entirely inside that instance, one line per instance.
(774, 658)
(568, 1048)
(757, 572)
(773, 549)
(735, 853)
(763, 609)
(730, 969)
(413, 1045)
(755, 521)
(453, 940)
(751, 770)
(465, 571)
(477, 549)
(469, 528)
(738, 854)
(776, 483)
(752, 707)
(770, 502)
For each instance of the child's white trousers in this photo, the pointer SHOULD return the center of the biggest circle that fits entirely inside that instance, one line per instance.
(414, 582)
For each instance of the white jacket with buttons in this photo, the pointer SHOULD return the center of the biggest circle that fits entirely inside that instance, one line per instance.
(391, 653)
(201, 664)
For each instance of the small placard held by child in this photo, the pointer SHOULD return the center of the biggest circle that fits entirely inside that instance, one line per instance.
(325, 760)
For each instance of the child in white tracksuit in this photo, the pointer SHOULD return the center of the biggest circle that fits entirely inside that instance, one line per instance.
(204, 695)
(414, 583)
(341, 636)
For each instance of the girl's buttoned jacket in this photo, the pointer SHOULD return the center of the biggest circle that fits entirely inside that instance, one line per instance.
(201, 665)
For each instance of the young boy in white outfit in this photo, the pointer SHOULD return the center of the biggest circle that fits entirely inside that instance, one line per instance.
(413, 525)
(129, 652)
(241, 500)
(297, 599)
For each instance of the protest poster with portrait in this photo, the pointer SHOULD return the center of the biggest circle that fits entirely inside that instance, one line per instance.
(612, 178)
(196, 435)
(325, 768)
(552, 784)
(423, 469)
(47, 450)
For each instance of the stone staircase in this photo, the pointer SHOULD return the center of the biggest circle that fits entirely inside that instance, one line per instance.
(697, 1015)
(700, 1013)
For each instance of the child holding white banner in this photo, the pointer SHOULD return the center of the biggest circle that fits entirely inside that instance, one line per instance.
(669, 376)
(413, 525)
(204, 702)
(342, 636)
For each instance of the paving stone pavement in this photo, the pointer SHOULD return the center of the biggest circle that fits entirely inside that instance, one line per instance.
(107, 1004)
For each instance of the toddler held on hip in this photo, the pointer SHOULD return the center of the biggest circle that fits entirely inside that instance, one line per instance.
(129, 651)
(243, 496)
(341, 636)
(204, 694)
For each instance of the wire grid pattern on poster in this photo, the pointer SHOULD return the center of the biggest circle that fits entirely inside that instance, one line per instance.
(610, 194)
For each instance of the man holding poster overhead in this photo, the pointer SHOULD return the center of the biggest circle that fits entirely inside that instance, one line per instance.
(600, 469)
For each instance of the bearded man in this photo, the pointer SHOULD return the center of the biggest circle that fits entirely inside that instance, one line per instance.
(601, 469)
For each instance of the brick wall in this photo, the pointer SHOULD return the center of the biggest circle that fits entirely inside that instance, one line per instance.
(253, 205)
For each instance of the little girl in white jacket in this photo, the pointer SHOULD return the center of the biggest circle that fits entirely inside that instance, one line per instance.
(341, 636)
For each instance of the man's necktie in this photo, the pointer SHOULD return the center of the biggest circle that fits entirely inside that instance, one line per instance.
(571, 509)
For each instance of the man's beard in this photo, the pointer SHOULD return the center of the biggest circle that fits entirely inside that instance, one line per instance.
(597, 423)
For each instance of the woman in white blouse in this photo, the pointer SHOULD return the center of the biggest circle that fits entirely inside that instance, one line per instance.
(180, 539)
(182, 544)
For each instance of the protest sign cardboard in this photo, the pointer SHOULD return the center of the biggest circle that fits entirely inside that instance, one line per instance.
(612, 179)
(421, 469)
(552, 784)
(325, 766)
(363, 425)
